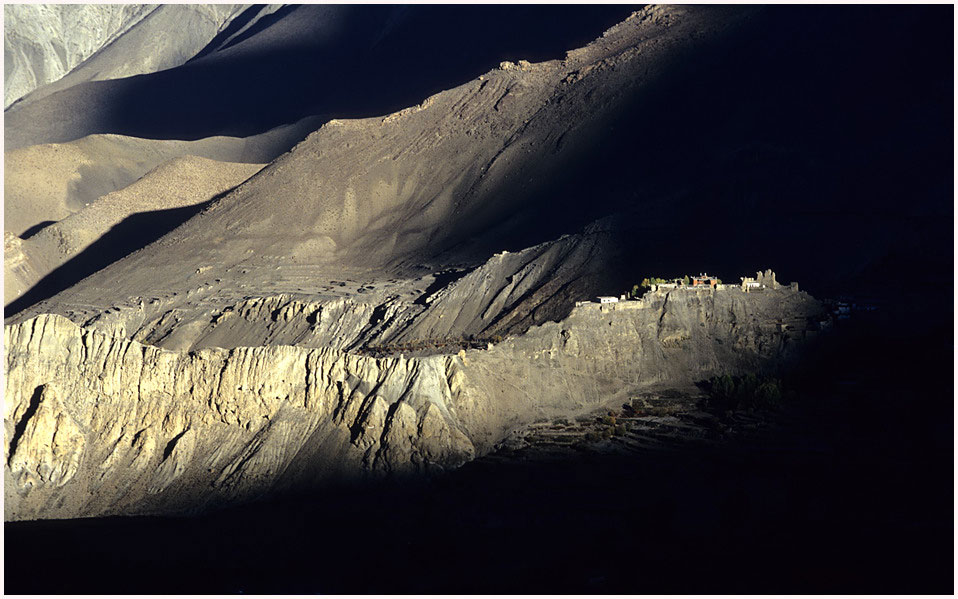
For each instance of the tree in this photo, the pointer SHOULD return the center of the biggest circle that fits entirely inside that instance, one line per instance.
(648, 282)
(768, 394)
(744, 393)
(723, 387)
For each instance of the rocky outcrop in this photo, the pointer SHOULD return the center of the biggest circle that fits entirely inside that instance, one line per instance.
(343, 323)
(98, 424)
(134, 428)
(513, 291)
(19, 272)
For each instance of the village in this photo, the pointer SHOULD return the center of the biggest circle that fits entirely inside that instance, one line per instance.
(701, 282)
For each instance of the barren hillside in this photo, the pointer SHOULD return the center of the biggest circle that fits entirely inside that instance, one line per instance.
(293, 247)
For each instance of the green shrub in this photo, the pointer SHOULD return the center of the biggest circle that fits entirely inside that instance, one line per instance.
(649, 281)
(722, 388)
(768, 394)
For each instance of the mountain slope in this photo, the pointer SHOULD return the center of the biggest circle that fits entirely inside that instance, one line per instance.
(166, 36)
(48, 182)
(398, 291)
(667, 121)
(366, 195)
(305, 60)
(172, 190)
(44, 42)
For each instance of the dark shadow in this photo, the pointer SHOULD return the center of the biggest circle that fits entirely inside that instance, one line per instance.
(782, 145)
(168, 450)
(852, 494)
(36, 229)
(21, 425)
(133, 233)
(442, 279)
(234, 26)
(260, 25)
(804, 145)
(345, 61)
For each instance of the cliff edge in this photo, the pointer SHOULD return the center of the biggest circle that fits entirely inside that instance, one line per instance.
(98, 424)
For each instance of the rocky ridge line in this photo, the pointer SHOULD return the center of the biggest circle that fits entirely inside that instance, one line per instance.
(97, 424)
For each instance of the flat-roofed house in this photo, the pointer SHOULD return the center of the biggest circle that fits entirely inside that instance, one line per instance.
(704, 279)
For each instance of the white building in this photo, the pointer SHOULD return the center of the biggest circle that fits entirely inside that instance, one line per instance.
(608, 299)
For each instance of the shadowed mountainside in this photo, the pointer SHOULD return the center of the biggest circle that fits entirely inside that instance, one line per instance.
(343, 60)
(396, 296)
(804, 508)
(158, 37)
(62, 253)
(735, 149)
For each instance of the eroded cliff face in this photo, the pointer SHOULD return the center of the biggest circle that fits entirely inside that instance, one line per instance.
(96, 423)
(307, 326)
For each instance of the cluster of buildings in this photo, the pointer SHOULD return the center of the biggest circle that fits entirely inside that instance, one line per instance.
(703, 281)
(706, 281)
(761, 280)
